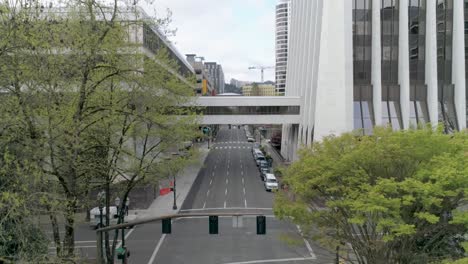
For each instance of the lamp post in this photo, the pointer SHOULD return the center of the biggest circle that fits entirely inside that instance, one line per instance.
(174, 206)
(100, 197)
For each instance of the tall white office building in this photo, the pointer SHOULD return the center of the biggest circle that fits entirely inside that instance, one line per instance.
(281, 46)
(361, 63)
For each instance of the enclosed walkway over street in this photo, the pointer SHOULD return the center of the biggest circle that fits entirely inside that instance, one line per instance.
(252, 110)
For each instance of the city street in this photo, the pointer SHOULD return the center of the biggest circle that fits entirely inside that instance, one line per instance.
(229, 181)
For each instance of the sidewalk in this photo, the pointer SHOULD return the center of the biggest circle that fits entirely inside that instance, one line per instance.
(162, 205)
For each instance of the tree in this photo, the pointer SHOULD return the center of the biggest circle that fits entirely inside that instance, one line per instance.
(393, 197)
(93, 109)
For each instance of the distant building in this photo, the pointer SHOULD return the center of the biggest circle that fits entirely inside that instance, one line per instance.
(216, 73)
(205, 85)
(282, 41)
(238, 83)
(263, 90)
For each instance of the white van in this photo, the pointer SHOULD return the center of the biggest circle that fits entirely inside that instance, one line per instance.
(270, 182)
(95, 215)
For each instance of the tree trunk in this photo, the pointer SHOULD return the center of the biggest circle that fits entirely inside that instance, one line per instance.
(55, 231)
(69, 239)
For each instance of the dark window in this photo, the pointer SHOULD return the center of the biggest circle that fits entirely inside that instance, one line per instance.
(447, 113)
(362, 55)
(251, 110)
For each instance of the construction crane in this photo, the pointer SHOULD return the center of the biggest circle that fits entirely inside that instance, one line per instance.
(262, 69)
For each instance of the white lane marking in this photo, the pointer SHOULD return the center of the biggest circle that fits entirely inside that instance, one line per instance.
(220, 208)
(242, 180)
(244, 192)
(225, 192)
(126, 237)
(227, 181)
(242, 172)
(227, 172)
(211, 181)
(208, 192)
(271, 260)
(224, 204)
(311, 252)
(245, 203)
(204, 205)
(161, 240)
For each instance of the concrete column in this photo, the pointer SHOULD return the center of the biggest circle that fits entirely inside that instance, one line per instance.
(431, 62)
(316, 34)
(333, 112)
(376, 68)
(403, 64)
(458, 62)
(305, 68)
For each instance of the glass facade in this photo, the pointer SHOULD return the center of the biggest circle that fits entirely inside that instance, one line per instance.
(153, 42)
(446, 104)
(362, 53)
(391, 111)
(419, 113)
(250, 110)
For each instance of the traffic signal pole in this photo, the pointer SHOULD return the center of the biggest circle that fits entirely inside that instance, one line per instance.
(213, 224)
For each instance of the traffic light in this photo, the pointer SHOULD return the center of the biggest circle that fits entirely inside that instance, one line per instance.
(213, 223)
(261, 225)
(122, 253)
(166, 226)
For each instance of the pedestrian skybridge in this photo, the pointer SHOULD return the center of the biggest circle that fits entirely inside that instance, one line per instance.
(253, 110)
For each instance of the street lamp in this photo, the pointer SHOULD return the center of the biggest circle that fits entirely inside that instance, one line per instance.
(174, 206)
(101, 196)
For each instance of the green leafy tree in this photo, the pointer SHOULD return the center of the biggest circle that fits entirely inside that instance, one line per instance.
(393, 197)
(92, 108)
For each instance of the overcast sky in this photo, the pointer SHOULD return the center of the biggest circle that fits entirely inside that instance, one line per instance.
(235, 33)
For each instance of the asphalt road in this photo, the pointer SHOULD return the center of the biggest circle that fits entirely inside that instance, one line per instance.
(228, 182)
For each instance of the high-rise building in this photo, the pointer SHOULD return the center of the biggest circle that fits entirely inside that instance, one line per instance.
(281, 47)
(362, 63)
(216, 72)
(204, 85)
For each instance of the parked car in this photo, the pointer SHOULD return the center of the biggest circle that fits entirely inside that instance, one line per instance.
(264, 172)
(259, 159)
(250, 139)
(270, 182)
(263, 164)
(256, 152)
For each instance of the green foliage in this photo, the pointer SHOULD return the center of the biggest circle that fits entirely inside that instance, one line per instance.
(394, 196)
(81, 106)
